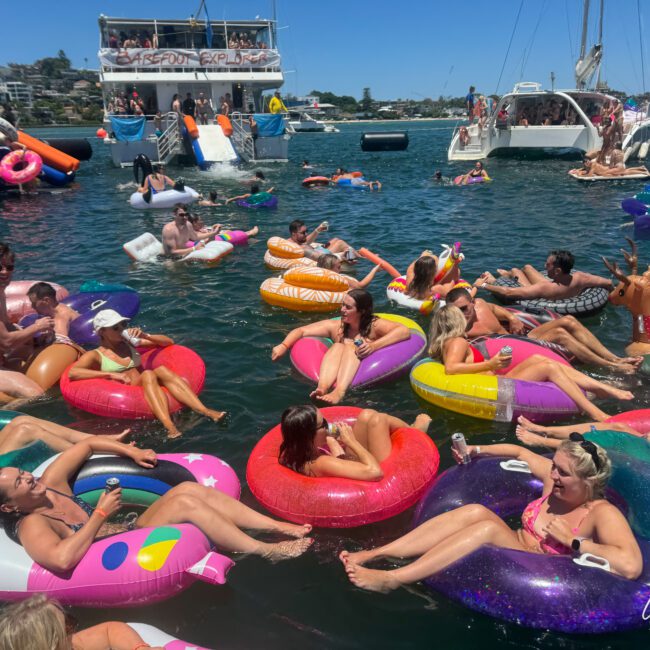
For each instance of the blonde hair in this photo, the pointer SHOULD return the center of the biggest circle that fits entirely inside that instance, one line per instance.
(34, 624)
(584, 467)
(447, 323)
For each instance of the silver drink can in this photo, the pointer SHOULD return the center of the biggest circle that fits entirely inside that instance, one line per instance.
(130, 339)
(332, 429)
(459, 444)
(112, 484)
(506, 351)
(325, 226)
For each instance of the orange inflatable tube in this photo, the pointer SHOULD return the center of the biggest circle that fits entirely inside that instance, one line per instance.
(375, 259)
(48, 366)
(51, 156)
(190, 124)
(225, 124)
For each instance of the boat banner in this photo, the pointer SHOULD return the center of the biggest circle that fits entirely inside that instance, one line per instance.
(148, 58)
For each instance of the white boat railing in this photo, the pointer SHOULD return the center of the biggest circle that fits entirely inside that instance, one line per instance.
(241, 136)
(170, 140)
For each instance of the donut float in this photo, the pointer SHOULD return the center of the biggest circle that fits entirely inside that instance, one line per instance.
(18, 304)
(20, 167)
(316, 181)
(283, 254)
(259, 200)
(339, 502)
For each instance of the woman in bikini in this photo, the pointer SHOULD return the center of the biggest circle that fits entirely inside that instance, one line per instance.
(571, 516)
(118, 360)
(342, 359)
(423, 280)
(309, 447)
(448, 344)
(156, 181)
(56, 528)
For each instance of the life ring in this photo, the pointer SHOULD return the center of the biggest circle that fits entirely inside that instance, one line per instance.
(18, 304)
(316, 181)
(9, 130)
(338, 502)
(144, 565)
(164, 199)
(472, 180)
(284, 263)
(589, 301)
(259, 200)
(113, 399)
(494, 397)
(20, 167)
(141, 168)
(536, 590)
(383, 365)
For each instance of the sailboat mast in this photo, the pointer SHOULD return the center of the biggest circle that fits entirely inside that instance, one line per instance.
(585, 24)
(600, 41)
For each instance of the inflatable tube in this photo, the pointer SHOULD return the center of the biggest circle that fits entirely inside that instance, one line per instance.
(145, 565)
(634, 207)
(26, 458)
(352, 183)
(53, 157)
(494, 397)
(20, 167)
(638, 419)
(48, 366)
(155, 637)
(234, 237)
(589, 301)
(644, 197)
(316, 181)
(375, 259)
(472, 180)
(9, 130)
(551, 592)
(259, 200)
(198, 154)
(191, 127)
(396, 292)
(211, 254)
(384, 365)
(54, 177)
(316, 278)
(226, 126)
(18, 304)
(643, 150)
(142, 167)
(284, 248)
(385, 141)
(78, 148)
(283, 263)
(113, 399)
(339, 502)
(164, 199)
(279, 293)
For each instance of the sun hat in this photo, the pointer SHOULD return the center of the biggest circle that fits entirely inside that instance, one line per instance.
(107, 318)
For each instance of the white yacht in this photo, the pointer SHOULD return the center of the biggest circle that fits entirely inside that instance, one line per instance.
(165, 58)
(532, 118)
(302, 122)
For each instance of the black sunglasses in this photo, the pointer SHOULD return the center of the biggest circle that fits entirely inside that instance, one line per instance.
(323, 425)
(7, 267)
(588, 446)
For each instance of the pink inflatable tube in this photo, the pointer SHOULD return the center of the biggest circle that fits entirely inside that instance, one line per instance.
(639, 420)
(135, 567)
(235, 237)
(18, 304)
(115, 400)
(338, 502)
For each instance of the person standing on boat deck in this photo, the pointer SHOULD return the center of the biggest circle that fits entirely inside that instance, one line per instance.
(176, 104)
(469, 102)
(203, 105)
(189, 106)
(276, 105)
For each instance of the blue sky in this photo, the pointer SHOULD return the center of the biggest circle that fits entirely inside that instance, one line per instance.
(430, 48)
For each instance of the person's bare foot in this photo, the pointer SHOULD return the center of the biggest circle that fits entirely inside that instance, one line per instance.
(253, 231)
(531, 426)
(529, 438)
(215, 416)
(173, 432)
(286, 550)
(371, 579)
(504, 273)
(627, 368)
(421, 422)
(360, 557)
(119, 437)
(332, 398)
(618, 393)
(293, 530)
(317, 393)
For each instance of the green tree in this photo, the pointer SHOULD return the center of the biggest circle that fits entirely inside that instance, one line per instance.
(366, 101)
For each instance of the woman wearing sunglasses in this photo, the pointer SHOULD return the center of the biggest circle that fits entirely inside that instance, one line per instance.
(117, 359)
(571, 516)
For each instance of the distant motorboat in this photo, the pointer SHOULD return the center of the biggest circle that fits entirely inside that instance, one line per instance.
(302, 122)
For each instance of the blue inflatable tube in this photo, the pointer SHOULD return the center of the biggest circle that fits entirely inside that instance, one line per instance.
(55, 177)
(347, 182)
(198, 154)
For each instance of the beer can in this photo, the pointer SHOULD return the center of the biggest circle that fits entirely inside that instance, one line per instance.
(358, 342)
(460, 445)
(112, 484)
(506, 351)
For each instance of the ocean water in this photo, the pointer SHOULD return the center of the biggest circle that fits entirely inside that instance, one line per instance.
(531, 207)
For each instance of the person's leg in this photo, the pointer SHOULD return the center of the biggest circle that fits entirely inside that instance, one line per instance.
(339, 246)
(178, 507)
(440, 556)
(157, 400)
(533, 276)
(347, 370)
(179, 388)
(253, 231)
(329, 369)
(581, 352)
(18, 385)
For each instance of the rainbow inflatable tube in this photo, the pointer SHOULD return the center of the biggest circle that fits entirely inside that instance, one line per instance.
(135, 567)
(554, 592)
(112, 399)
(383, 365)
(494, 397)
(339, 502)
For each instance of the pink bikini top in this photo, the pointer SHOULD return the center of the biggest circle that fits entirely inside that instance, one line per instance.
(546, 544)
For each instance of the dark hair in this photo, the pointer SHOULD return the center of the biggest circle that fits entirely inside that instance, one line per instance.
(6, 253)
(213, 195)
(8, 520)
(255, 188)
(260, 175)
(192, 218)
(156, 168)
(363, 301)
(178, 207)
(455, 294)
(326, 261)
(42, 290)
(296, 225)
(564, 260)
(298, 426)
(424, 271)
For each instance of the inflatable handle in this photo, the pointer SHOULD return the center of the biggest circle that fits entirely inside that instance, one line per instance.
(594, 561)
(375, 259)
(515, 466)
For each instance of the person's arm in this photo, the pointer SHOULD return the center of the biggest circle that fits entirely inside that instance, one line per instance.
(311, 237)
(387, 333)
(270, 190)
(454, 360)
(515, 326)
(540, 466)
(325, 328)
(169, 243)
(360, 284)
(15, 338)
(366, 468)
(168, 180)
(237, 198)
(591, 280)
(112, 634)
(86, 368)
(539, 290)
(150, 340)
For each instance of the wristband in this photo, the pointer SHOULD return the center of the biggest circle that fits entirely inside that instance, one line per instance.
(285, 345)
(102, 513)
(477, 449)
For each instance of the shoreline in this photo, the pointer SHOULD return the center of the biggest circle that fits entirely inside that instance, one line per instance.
(406, 119)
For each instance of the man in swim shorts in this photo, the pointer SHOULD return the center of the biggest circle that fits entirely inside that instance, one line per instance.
(298, 234)
(564, 335)
(43, 298)
(559, 284)
(176, 234)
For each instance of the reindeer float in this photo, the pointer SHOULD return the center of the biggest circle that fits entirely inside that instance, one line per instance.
(633, 292)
